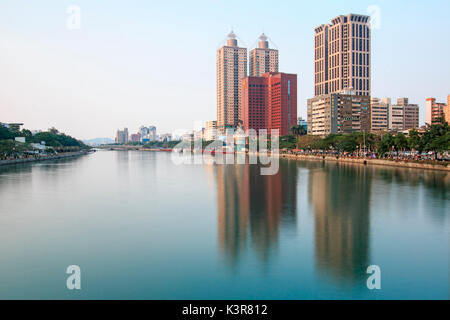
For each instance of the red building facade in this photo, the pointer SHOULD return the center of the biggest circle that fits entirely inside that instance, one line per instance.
(254, 103)
(270, 102)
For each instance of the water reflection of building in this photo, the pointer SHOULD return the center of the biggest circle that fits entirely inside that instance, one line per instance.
(233, 207)
(340, 196)
(252, 208)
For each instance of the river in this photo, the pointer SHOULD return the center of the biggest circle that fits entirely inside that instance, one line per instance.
(141, 227)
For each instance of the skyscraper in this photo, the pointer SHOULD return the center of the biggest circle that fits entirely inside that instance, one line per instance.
(342, 56)
(263, 59)
(270, 102)
(122, 136)
(231, 69)
(254, 103)
(282, 112)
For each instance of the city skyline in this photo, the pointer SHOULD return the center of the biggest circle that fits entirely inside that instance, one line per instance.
(119, 68)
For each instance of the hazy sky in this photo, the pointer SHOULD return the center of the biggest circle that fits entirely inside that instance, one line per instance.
(154, 62)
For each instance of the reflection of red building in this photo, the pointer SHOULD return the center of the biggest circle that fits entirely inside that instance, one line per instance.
(270, 102)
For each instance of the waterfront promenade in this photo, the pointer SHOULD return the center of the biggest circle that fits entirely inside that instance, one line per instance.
(365, 161)
(43, 158)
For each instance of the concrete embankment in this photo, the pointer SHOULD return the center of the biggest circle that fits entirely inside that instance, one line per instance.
(379, 162)
(54, 157)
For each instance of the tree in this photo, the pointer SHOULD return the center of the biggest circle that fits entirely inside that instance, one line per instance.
(5, 133)
(27, 134)
(386, 144)
(11, 147)
(346, 143)
(298, 130)
(414, 141)
(53, 130)
(372, 141)
(308, 142)
(288, 142)
(53, 139)
(359, 138)
(400, 141)
(437, 137)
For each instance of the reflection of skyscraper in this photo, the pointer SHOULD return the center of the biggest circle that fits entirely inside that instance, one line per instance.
(341, 198)
(233, 207)
(252, 207)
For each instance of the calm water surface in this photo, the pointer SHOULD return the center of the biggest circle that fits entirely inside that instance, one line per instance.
(141, 227)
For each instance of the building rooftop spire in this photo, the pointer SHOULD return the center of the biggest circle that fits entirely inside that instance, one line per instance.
(231, 35)
(263, 37)
(263, 43)
(231, 41)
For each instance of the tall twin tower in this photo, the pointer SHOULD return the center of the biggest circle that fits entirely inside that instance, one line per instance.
(232, 69)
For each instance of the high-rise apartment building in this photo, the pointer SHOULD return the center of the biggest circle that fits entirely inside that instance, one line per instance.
(270, 102)
(435, 110)
(338, 113)
(122, 136)
(342, 56)
(148, 133)
(231, 69)
(379, 117)
(263, 59)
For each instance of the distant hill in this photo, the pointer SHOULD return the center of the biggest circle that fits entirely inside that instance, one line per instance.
(98, 141)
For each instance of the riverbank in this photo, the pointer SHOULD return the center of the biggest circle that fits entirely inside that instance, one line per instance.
(54, 157)
(377, 162)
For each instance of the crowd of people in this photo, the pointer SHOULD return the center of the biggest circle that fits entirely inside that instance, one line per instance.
(403, 156)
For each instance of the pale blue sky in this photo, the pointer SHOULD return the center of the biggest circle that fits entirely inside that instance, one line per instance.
(153, 62)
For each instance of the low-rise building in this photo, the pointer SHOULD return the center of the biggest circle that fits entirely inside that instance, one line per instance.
(411, 114)
(403, 115)
(165, 137)
(379, 117)
(303, 123)
(210, 130)
(338, 113)
(12, 126)
(135, 137)
(396, 117)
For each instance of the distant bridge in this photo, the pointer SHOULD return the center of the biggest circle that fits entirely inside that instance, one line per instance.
(119, 147)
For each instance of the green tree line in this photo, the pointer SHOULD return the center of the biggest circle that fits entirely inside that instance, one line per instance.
(52, 137)
(436, 138)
